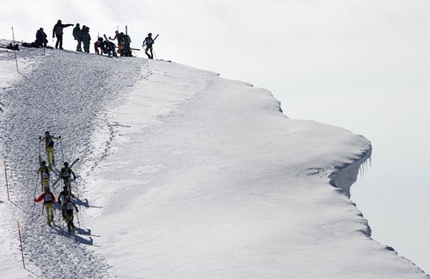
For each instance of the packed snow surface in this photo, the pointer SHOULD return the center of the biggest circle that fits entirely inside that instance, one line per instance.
(182, 174)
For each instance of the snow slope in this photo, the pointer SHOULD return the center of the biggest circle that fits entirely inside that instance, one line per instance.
(182, 174)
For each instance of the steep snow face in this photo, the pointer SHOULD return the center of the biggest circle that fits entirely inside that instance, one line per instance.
(182, 174)
(346, 175)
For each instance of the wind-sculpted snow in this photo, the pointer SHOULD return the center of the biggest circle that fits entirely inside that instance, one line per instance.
(182, 174)
(65, 95)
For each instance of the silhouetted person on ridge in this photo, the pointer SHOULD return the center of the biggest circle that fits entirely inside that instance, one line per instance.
(58, 32)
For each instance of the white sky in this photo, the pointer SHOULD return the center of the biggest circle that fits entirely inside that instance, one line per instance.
(366, 61)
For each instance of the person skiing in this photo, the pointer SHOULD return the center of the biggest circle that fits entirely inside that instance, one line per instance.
(66, 174)
(148, 42)
(49, 147)
(64, 194)
(77, 34)
(41, 38)
(44, 174)
(67, 210)
(48, 201)
(57, 31)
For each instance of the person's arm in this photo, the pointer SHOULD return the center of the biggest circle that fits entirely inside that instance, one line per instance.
(40, 198)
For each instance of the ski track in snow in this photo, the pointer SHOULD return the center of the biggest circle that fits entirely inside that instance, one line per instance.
(65, 95)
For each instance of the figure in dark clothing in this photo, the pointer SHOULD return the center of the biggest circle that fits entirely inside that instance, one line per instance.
(119, 37)
(105, 46)
(66, 174)
(86, 38)
(67, 210)
(77, 34)
(148, 42)
(44, 174)
(58, 32)
(64, 194)
(123, 43)
(41, 38)
(49, 147)
(98, 45)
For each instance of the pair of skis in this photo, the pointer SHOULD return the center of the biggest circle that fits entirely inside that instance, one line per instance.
(70, 167)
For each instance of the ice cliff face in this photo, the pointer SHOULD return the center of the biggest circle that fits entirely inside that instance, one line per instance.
(344, 176)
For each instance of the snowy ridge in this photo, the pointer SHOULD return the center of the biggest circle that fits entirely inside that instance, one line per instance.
(182, 174)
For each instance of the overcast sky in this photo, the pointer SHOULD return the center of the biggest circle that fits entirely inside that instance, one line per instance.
(367, 61)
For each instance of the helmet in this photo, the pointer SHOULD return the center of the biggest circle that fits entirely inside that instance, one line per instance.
(65, 187)
(47, 189)
(149, 34)
(43, 163)
(66, 164)
(46, 133)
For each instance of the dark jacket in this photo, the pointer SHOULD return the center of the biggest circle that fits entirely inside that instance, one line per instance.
(41, 37)
(58, 28)
(77, 33)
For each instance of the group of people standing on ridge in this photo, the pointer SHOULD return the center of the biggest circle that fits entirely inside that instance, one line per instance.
(101, 46)
(66, 174)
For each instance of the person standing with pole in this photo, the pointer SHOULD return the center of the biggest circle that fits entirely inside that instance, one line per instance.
(49, 147)
(148, 42)
(44, 174)
(48, 199)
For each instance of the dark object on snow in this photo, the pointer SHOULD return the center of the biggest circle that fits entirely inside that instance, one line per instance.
(41, 38)
(33, 44)
(12, 47)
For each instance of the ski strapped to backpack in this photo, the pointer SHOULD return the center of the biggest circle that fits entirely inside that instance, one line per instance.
(58, 179)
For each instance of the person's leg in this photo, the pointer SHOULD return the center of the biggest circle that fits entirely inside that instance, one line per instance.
(46, 182)
(49, 213)
(60, 38)
(50, 155)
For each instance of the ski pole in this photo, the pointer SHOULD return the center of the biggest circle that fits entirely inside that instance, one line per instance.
(35, 186)
(77, 215)
(13, 42)
(61, 145)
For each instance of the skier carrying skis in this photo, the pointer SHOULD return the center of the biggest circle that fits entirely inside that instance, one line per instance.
(67, 210)
(148, 42)
(44, 174)
(66, 174)
(64, 194)
(48, 201)
(49, 147)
